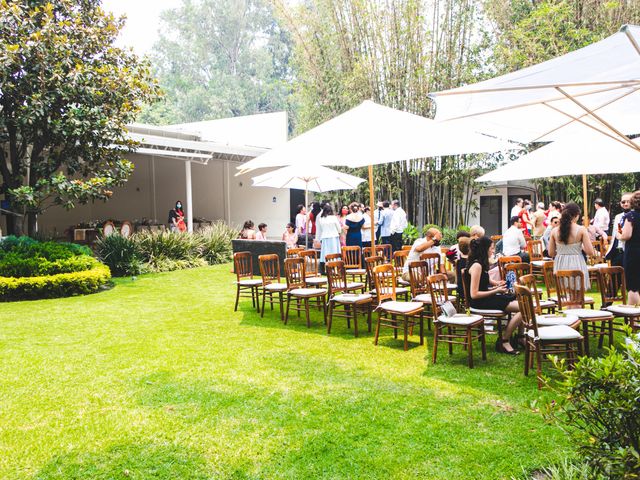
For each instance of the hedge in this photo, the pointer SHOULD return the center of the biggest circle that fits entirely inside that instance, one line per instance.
(53, 286)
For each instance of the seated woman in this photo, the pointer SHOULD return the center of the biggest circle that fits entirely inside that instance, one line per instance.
(262, 232)
(290, 237)
(486, 294)
(247, 232)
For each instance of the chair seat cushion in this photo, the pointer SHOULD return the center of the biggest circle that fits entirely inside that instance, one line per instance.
(354, 285)
(554, 319)
(624, 310)
(556, 332)
(588, 313)
(401, 307)
(399, 291)
(250, 282)
(356, 271)
(403, 282)
(276, 287)
(308, 292)
(480, 311)
(538, 263)
(594, 268)
(547, 304)
(423, 297)
(315, 280)
(352, 297)
(461, 319)
(587, 300)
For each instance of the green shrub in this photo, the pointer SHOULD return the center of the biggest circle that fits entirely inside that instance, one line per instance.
(154, 246)
(601, 405)
(121, 254)
(53, 286)
(27, 247)
(410, 234)
(216, 243)
(566, 470)
(162, 264)
(16, 265)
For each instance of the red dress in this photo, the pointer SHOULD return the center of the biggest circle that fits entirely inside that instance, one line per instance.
(524, 218)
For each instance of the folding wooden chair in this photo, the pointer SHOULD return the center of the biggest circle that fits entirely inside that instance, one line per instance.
(341, 294)
(270, 271)
(352, 258)
(613, 289)
(297, 289)
(246, 285)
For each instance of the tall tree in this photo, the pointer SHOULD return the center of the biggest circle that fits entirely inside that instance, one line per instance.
(66, 94)
(221, 58)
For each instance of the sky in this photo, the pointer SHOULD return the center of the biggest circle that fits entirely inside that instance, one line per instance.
(143, 21)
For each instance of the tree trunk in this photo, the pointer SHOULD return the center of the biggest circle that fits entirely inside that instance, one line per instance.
(32, 225)
(14, 225)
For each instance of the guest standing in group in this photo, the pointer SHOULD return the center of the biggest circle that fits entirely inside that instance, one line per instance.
(261, 234)
(301, 224)
(631, 261)
(515, 211)
(568, 241)
(601, 218)
(316, 209)
(546, 236)
(377, 218)
(398, 225)
(615, 254)
(354, 222)
(344, 211)
(538, 219)
(526, 224)
(248, 232)
(554, 211)
(385, 227)
(176, 218)
(328, 231)
(366, 228)
(487, 294)
(290, 237)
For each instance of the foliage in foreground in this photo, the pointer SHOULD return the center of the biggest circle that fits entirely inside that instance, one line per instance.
(166, 251)
(601, 406)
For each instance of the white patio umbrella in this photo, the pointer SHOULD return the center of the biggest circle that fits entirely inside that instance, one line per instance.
(571, 155)
(307, 177)
(593, 89)
(371, 134)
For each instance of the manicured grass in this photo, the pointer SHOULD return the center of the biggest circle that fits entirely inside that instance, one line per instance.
(159, 378)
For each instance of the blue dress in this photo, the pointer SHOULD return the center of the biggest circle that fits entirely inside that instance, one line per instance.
(354, 234)
(631, 261)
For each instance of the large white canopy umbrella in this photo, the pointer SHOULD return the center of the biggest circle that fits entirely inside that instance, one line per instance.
(307, 177)
(593, 89)
(371, 134)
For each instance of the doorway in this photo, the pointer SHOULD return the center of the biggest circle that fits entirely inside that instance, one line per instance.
(296, 197)
(490, 214)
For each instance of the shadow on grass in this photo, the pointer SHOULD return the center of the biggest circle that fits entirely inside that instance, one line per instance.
(127, 462)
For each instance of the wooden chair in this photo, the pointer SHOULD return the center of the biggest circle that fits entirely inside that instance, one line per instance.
(341, 295)
(294, 252)
(542, 306)
(460, 329)
(407, 247)
(373, 251)
(370, 263)
(387, 252)
(434, 261)
(518, 269)
(270, 272)
(498, 316)
(570, 286)
(502, 261)
(550, 284)
(352, 258)
(389, 308)
(613, 289)
(297, 289)
(419, 280)
(312, 268)
(496, 238)
(399, 259)
(535, 249)
(330, 257)
(246, 285)
(541, 341)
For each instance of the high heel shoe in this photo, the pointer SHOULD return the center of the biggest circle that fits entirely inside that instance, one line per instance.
(500, 348)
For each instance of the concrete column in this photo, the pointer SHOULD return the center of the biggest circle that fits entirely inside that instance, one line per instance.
(187, 171)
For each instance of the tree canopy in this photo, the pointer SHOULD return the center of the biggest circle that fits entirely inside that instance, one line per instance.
(66, 95)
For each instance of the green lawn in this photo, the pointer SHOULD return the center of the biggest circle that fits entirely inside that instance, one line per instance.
(159, 378)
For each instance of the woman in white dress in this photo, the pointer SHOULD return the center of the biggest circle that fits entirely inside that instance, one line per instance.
(568, 241)
(328, 230)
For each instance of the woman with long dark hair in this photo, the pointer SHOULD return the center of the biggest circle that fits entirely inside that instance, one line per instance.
(486, 294)
(568, 241)
(631, 261)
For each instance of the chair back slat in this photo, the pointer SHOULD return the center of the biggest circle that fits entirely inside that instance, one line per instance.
(529, 281)
(466, 287)
(385, 278)
(294, 252)
(243, 265)
(336, 277)
(419, 277)
(269, 268)
(502, 261)
(549, 278)
(527, 309)
(433, 260)
(519, 269)
(535, 249)
(570, 288)
(370, 263)
(310, 263)
(613, 286)
(387, 252)
(496, 238)
(399, 259)
(438, 290)
(351, 256)
(330, 257)
(295, 273)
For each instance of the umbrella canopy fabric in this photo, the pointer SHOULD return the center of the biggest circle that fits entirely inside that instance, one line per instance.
(371, 134)
(595, 88)
(596, 154)
(315, 178)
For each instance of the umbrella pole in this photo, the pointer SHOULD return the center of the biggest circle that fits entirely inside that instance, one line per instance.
(306, 205)
(371, 204)
(584, 200)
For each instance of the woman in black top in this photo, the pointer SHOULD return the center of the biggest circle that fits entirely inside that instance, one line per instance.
(488, 295)
(631, 235)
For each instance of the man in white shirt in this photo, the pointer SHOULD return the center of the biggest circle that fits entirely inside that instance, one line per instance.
(601, 218)
(430, 243)
(513, 242)
(515, 211)
(616, 247)
(385, 223)
(398, 224)
(301, 224)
